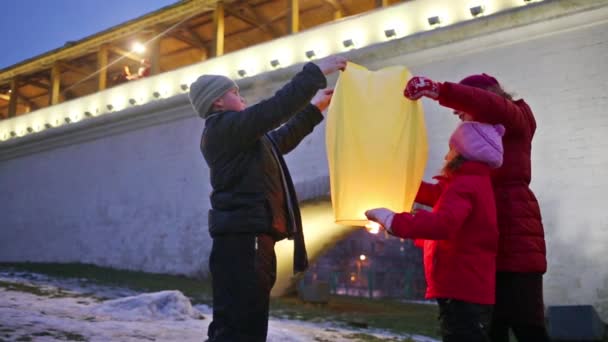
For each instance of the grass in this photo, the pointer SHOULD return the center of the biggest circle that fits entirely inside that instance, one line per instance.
(371, 338)
(397, 317)
(358, 312)
(198, 290)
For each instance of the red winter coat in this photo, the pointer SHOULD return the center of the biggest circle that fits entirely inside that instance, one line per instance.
(460, 235)
(522, 238)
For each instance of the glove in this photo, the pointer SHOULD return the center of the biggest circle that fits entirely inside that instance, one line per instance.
(419, 86)
(383, 216)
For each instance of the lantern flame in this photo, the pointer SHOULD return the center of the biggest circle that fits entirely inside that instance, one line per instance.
(373, 227)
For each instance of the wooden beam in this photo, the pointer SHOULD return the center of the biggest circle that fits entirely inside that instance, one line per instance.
(12, 104)
(55, 84)
(193, 40)
(37, 84)
(218, 30)
(154, 46)
(252, 18)
(339, 9)
(260, 18)
(125, 53)
(172, 13)
(293, 21)
(178, 35)
(381, 3)
(201, 43)
(29, 103)
(199, 40)
(5, 97)
(102, 66)
(83, 71)
(276, 19)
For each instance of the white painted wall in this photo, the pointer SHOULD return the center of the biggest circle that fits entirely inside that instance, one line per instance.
(138, 199)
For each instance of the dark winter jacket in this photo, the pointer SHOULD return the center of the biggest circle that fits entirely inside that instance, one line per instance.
(252, 188)
(522, 240)
(460, 235)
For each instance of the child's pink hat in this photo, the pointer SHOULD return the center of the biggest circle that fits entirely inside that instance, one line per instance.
(478, 141)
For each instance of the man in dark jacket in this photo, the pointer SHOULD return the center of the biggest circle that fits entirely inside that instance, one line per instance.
(253, 203)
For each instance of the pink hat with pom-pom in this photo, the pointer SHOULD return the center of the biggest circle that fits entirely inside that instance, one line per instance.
(478, 141)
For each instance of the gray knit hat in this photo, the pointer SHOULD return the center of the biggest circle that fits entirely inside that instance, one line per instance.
(206, 89)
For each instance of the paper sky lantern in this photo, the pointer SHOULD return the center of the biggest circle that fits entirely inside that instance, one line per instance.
(376, 143)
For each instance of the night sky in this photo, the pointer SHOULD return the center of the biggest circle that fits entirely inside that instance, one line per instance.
(29, 28)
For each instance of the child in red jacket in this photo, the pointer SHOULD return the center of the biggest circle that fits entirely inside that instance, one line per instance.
(460, 234)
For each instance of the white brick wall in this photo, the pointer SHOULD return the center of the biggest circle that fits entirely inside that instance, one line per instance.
(138, 200)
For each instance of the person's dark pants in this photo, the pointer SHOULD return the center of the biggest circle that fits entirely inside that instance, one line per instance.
(461, 321)
(243, 271)
(519, 307)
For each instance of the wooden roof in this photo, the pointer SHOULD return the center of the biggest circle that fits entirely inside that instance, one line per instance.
(181, 34)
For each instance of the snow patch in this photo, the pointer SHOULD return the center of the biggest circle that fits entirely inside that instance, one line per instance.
(166, 305)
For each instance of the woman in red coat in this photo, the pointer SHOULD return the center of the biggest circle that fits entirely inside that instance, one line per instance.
(460, 234)
(521, 260)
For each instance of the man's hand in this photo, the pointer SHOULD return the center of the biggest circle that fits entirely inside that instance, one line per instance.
(331, 64)
(383, 216)
(419, 86)
(322, 98)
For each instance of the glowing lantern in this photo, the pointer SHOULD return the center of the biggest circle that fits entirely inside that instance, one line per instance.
(376, 143)
(373, 227)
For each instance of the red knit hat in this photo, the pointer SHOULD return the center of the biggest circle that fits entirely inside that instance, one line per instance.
(478, 141)
(483, 81)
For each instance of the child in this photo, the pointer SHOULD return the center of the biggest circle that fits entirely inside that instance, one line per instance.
(521, 260)
(460, 234)
(253, 203)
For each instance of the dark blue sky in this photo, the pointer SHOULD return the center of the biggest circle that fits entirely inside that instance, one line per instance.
(31, 27)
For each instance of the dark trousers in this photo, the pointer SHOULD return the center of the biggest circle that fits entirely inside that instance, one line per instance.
(519, 307)
(461, 321)
(243, 271)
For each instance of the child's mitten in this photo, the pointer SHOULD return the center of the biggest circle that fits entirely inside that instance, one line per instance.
(419, 86)
(383, 216)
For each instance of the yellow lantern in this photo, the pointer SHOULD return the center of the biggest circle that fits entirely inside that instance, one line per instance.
(376, 143)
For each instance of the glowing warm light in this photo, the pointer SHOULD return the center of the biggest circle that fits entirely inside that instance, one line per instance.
(353, 278)
(320, 233)
(368, 171)
(138, 47)
(362, 257)
(373, 227)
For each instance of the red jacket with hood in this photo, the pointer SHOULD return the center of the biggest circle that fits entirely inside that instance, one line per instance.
(522, 241)
(460, 234)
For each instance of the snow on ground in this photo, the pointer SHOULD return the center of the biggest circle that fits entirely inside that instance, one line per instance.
(38, 308)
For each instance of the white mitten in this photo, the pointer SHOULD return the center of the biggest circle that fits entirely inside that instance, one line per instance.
(383, 216)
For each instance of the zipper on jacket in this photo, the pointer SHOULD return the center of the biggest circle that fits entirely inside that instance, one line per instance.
(256, 243)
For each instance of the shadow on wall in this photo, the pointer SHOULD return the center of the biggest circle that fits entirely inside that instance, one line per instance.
(320, 233)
